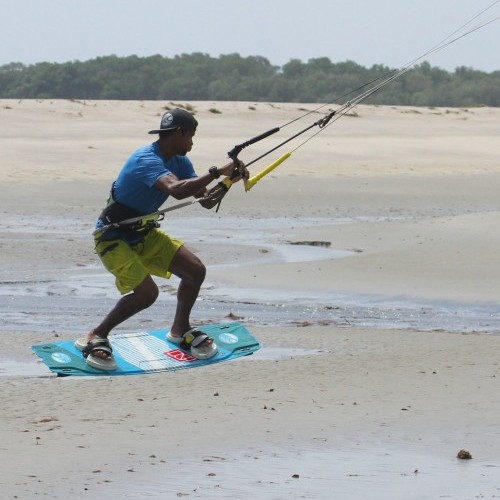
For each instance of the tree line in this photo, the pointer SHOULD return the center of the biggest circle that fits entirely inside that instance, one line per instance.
(232, 77)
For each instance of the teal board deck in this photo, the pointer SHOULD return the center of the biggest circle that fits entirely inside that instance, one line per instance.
(148, 352)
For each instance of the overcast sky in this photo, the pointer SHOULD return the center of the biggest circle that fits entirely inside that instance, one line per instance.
(389, 32)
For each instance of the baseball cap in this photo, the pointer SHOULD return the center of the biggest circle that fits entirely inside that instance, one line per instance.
(176, 118)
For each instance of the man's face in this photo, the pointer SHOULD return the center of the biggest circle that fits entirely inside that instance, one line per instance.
(184, 141)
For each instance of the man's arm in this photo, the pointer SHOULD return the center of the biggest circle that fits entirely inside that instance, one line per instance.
(183, 188)
(196, 186)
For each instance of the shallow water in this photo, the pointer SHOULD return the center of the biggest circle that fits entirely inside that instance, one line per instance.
(68, 300)
(72, 303)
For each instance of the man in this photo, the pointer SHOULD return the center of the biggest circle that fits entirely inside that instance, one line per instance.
(134, 253)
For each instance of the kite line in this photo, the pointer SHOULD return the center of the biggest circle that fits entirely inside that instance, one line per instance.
(217, 193)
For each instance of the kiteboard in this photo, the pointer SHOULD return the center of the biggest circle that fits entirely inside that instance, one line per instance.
(148, 352)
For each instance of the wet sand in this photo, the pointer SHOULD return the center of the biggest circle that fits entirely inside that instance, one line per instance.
(380, 351)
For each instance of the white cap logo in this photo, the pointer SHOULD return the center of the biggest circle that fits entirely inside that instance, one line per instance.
(167, 120)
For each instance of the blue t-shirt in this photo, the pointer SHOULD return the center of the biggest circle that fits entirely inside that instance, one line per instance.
(135, 185)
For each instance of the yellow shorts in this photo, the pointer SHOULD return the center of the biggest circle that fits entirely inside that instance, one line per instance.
(130, 264)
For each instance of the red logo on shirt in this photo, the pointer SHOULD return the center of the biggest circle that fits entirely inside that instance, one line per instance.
(181, 356)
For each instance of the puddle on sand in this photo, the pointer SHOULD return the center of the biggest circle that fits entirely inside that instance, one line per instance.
(9, 368)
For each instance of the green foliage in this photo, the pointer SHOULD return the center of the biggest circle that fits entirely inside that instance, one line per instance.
(231, 77)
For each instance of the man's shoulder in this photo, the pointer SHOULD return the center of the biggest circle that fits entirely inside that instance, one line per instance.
(180, 162)
(147, 151)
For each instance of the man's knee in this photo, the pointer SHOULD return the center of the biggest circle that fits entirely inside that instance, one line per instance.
(194, 271)
(188, 267)
(146, 293)
(200, 271)
(151, 296)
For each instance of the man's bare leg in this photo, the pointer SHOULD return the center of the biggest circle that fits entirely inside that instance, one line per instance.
(141, 298)
(191, 271)
(189, 268)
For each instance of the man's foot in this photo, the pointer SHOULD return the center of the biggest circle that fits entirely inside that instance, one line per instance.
(97, 351)
(83, 342)
(198, 343)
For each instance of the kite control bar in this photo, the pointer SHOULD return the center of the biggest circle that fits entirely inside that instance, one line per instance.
(219, 191)
(233, 154)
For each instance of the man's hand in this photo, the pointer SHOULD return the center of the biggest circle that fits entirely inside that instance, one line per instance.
(228, 170)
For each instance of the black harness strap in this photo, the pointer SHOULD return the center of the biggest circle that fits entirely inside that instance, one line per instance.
(116, 212)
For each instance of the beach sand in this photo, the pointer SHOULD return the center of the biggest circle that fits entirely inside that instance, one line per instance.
(379, 357)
